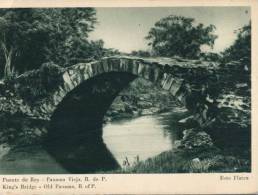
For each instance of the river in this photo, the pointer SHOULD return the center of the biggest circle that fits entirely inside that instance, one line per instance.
(125, 141)
(131, 140)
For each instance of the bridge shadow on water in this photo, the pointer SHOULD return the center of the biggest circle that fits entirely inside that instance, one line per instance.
(75, 135)
(82, 154)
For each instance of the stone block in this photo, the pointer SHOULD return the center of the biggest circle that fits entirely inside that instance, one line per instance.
(104, 65)
(57, 98)
(97, 68)
(47, 108)
(84, 73)
(67, 81)
(157, 74)
(89, 71)
(176, 86)
(167, 82)
(134, 67)
(141, 69)
(61, 91)
(109, 66)
(114, 65)
(75, 77)
(71, 71)
(93, 68)
(82, 66)
(100, 68)
(163, 80)
(44, 108)
(148, 73)
(123, 65)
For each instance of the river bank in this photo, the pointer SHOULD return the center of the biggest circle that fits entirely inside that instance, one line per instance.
(190, 161)
(140, 98)
(194, 151)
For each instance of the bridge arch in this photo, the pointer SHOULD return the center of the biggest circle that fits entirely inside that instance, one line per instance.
(187, 84)
(76, 109)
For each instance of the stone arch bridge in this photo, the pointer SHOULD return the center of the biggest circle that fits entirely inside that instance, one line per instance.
(82, 93)
(95, 85)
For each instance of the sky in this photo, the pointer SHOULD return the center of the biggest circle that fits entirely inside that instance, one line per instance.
(125, 28)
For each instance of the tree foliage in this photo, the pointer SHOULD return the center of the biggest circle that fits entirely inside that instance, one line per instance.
(30, 37)
(68, 31)
(177, 35)
(141, 53)
(210, 56)
(22, 39)
(241, 48)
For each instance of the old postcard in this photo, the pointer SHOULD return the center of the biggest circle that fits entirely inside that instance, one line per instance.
(128, 97)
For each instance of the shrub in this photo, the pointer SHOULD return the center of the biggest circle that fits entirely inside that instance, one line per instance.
(39, 83)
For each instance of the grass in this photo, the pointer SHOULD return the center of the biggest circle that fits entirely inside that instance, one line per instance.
(194, 161)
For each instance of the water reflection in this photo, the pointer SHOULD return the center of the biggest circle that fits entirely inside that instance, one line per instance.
(74, 149)
(140, 138)
(83, 153)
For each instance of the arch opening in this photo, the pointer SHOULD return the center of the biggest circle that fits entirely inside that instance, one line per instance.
(75, 134)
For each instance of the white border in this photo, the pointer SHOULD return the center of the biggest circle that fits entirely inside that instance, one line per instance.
(165, 183)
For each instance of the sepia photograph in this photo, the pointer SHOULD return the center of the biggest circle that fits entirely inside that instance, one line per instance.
(125, 90)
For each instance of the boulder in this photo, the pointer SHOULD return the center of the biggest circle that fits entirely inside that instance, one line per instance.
(193, 139)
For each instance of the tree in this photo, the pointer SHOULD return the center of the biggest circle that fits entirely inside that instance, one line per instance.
(141, 53)
(18, 38)
(68, 33)
(177, 35)
(30, 37)
(6, 52)
(241, 48)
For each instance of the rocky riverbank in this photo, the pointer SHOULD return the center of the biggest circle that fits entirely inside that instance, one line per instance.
(195, 152)
(204, 148)
(141, 97)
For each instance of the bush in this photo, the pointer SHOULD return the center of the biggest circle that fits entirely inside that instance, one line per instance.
(141, 53)
(37, 84)
(49, 73)
(241, 48)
